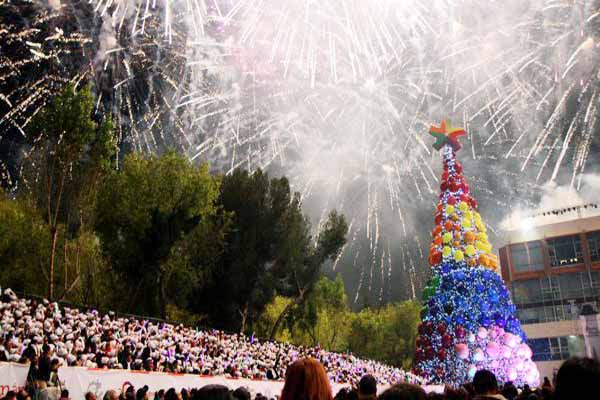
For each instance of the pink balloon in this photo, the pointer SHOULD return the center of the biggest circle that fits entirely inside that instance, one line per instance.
(482, 333)
(524, 351)
(462, 351)
(512, 374)
(493, 349)
(478, 355)
(506, 352)
(510, 340)
(471, 338)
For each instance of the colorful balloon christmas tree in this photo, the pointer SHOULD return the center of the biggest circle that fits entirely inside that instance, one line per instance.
(468, 320)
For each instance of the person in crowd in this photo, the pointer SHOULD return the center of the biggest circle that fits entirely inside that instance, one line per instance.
(10, 395)
(90, 396)
(486, 386)
(578, 378)
(212, 392)
(367, 388)
(111, 395)
(510, 391)
(403, 391)
(44, 369)
(456, 394)
(306, 379)
(242, 393)
(64, 394)
(142, 393)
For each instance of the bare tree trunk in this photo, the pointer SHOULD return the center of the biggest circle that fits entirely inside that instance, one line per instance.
(244, 315)
(52, 263)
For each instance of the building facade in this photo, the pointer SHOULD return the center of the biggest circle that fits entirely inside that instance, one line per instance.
(552, 267)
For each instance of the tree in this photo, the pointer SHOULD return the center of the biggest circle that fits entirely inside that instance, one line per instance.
(268, 245)
(468, 319)
(71, 152)
(323, 319)
(386, 334)
(303, 272)
(145, 213)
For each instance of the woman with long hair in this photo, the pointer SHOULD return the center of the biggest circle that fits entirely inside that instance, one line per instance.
(306, 379)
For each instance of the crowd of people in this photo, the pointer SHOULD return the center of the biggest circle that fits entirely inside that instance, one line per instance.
(306, 379)
(50, 336)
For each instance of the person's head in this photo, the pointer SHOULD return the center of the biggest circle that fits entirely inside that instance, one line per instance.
(367, 387)
(212, 392)
(90, 396)
(403, 391)
(10, 395)
(485, 382)
(242, 393)
(54, 365)
(142, 393)
(510, 391)
(111, 395)
(306, 379)
(64, 394)
(171, 394)
(577, 378)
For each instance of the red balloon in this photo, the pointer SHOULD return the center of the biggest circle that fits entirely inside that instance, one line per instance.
(473, 203)
(455, 186)
(428, 327)
(458, 167)
(445, 175)
(443, 186)
(438, 219)
(429, 352)
(452, 200)
(446, 340)
(442, 354)
(465, 187)
(465, 198)
(441, 328)
(459, 332)
(421, 328)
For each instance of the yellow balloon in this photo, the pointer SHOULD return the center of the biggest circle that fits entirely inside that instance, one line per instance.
(463, 206)
(458, 255)
(482, 236)
(449, 209)
(447, 237)
(466, 223)
(476, 216)
(479, 244)
(468, 214)
(469, 250)
(446, 251)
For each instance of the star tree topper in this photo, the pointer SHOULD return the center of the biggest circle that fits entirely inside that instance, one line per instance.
(446, 135)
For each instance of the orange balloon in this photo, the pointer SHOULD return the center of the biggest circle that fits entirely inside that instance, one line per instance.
(472, 262)
(483, 260)
(436, 231)
(448, 226)
(454, 217)
(469, 237)
(437, 240)
(456, 244)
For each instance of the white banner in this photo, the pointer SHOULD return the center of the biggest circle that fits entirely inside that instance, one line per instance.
(79, 380)
(12, 377)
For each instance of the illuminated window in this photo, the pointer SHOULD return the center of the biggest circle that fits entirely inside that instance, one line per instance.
(565, 251)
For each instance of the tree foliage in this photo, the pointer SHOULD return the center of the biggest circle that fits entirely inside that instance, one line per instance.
(145, 212)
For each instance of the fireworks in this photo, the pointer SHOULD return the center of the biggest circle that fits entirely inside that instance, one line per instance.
(337, 95)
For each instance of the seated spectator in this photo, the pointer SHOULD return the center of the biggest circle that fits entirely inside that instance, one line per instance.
(486, 386)
(403, 391)
(367, 388)
(578, 378)
(306, 379)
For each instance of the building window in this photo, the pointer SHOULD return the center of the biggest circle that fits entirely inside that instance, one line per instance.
(557, 348)
(527, 256)
(565, 251)
(571, 285)
(593, 239)
(527, 291)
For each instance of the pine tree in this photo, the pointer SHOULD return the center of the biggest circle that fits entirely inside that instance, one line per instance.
(468, 320)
